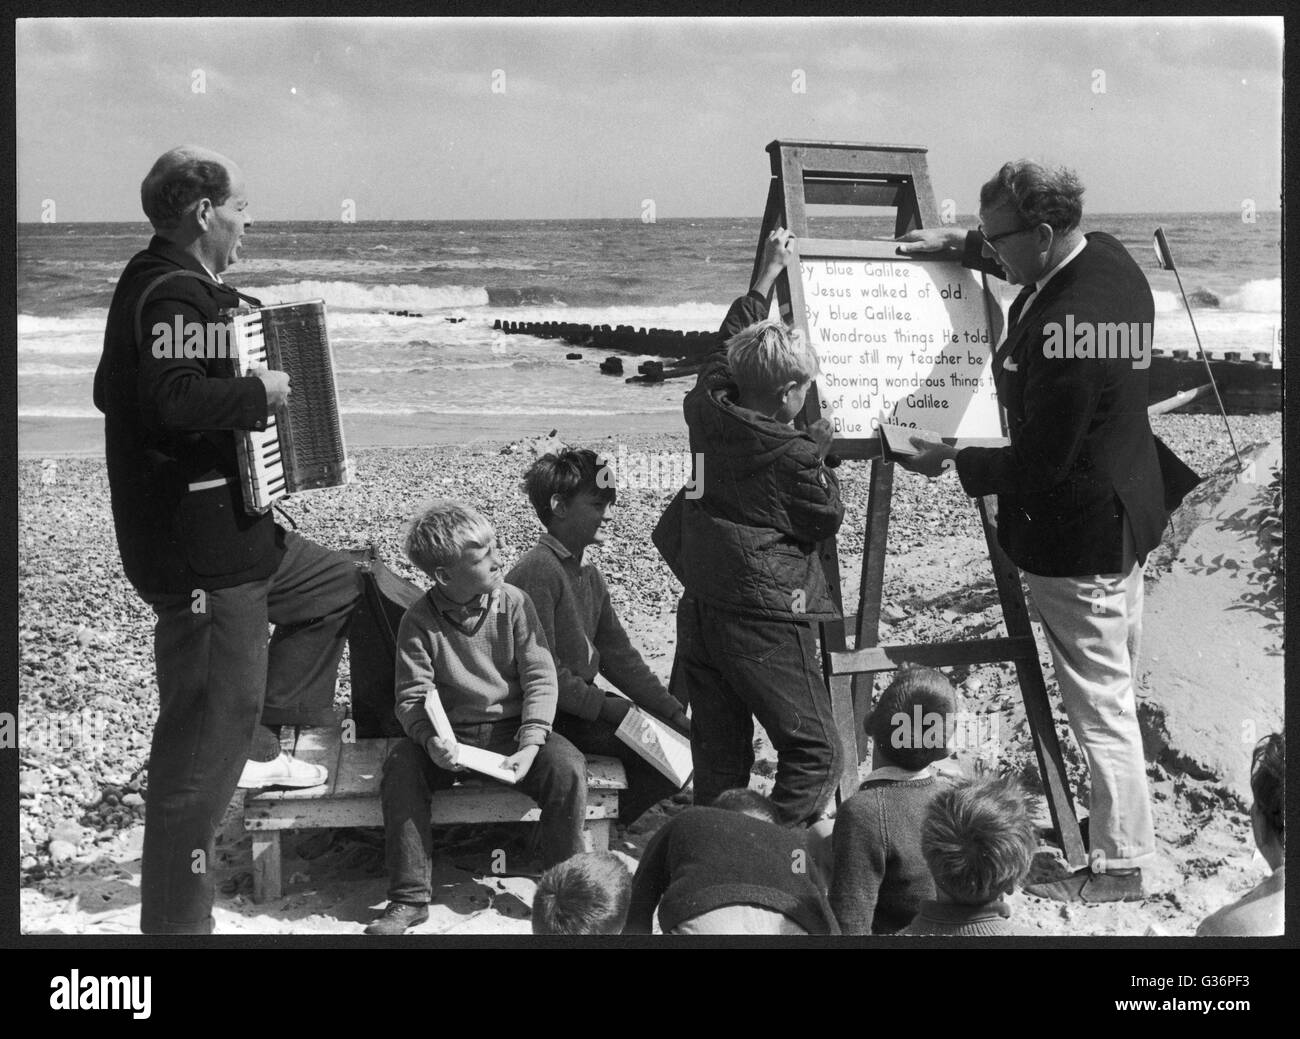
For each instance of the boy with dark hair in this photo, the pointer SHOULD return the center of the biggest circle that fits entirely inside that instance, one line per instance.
(474, 642)
(572, 493)
(880, 876)
(587, 894)
(1263, 910)
(978, 841)
(728, 869)
(745, 550)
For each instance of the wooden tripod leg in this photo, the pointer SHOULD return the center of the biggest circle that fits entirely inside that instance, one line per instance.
(851, 694)
(840, 686)
(880, 493)
(1033, 692)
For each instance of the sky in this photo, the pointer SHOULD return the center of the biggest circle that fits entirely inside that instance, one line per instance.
(431, 119)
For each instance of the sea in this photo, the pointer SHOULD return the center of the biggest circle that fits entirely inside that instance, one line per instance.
(455, 279)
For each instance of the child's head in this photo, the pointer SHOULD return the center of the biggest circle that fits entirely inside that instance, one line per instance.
(978, 840)
(456, 546)
(774, 366)
(571, 492)
(911, 724)
(587, 894)
(747, 802)
(1268, 786)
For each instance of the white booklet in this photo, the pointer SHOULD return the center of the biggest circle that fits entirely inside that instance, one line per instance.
(664, 747)
(485, 761)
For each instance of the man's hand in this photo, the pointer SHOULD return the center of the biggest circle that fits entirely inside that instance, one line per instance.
(521, 760)
(277, 387)
(935, 458)
(443, 753)
(950, 240)
(681, 723)
(614, 710)
(778, 253)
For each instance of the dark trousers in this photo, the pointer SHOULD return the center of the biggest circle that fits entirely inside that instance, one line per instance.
(217, 677)
(646, 785)
(734, 669)
(557, 781)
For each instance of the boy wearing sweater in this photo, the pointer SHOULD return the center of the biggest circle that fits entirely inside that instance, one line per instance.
(573, 498)
(880, 876)
(473, 640)
(978, 841)
(745, 550)
(729, 869)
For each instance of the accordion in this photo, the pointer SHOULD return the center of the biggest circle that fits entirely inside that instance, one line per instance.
(302, 447)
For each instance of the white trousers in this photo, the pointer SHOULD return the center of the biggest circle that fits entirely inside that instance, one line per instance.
(1093, 625)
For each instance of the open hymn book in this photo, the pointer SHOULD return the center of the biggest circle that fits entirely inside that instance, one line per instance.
(485, 761)
(664, 747)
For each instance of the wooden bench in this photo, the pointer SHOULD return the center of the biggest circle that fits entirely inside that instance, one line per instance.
(351, 798)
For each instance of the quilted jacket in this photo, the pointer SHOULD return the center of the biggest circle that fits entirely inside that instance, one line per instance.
(747, 541)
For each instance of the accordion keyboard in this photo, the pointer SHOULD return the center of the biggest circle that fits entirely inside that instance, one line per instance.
(261, 461)
(301, 448)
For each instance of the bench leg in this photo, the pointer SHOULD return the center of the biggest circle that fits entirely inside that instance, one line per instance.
(595, 835)
(266, 865)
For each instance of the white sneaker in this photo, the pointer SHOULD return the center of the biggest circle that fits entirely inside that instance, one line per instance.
(285, 770)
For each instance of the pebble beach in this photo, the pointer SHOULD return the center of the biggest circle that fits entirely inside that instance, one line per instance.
(85, 675)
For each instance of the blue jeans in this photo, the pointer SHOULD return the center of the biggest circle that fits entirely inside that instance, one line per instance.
(557, 781)
(733, 669)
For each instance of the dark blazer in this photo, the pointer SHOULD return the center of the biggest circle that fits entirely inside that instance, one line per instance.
(1082, 455)
(168, 423)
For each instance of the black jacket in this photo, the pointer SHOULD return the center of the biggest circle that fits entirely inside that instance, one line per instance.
(748, 543)
(1082, 454)
(168, 423)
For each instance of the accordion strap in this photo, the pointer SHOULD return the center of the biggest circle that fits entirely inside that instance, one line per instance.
(182, 273)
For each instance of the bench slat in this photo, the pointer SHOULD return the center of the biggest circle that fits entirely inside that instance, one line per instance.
(449, 807)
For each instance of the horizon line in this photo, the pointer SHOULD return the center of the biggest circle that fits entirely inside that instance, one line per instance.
(631, 219)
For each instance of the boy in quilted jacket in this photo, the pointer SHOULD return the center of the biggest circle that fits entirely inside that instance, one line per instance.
(743, 543)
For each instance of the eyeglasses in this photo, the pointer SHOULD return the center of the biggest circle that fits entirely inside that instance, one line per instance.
(992, 240)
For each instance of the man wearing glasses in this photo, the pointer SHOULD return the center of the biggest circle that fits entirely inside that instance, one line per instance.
(1081, 496)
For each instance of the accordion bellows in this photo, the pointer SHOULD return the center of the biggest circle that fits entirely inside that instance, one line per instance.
(302, 447)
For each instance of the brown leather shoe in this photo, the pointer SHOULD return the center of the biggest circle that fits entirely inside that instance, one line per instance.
(1091, 888)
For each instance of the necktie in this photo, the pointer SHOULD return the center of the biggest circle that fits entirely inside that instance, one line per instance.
(1018, 305)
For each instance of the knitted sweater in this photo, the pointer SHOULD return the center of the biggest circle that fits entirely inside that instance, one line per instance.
(492, 669)
(707, 858)
(584, 633)
(880, 876)
(980, 921)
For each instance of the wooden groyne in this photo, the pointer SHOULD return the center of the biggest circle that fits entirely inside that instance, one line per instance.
(1247, 386)
(656, 342)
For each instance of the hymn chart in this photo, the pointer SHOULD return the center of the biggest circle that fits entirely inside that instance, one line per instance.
(901, 341)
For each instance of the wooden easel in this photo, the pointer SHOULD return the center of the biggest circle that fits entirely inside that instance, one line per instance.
(831, 173)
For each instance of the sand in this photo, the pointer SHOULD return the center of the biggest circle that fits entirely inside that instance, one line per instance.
(87, 699)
